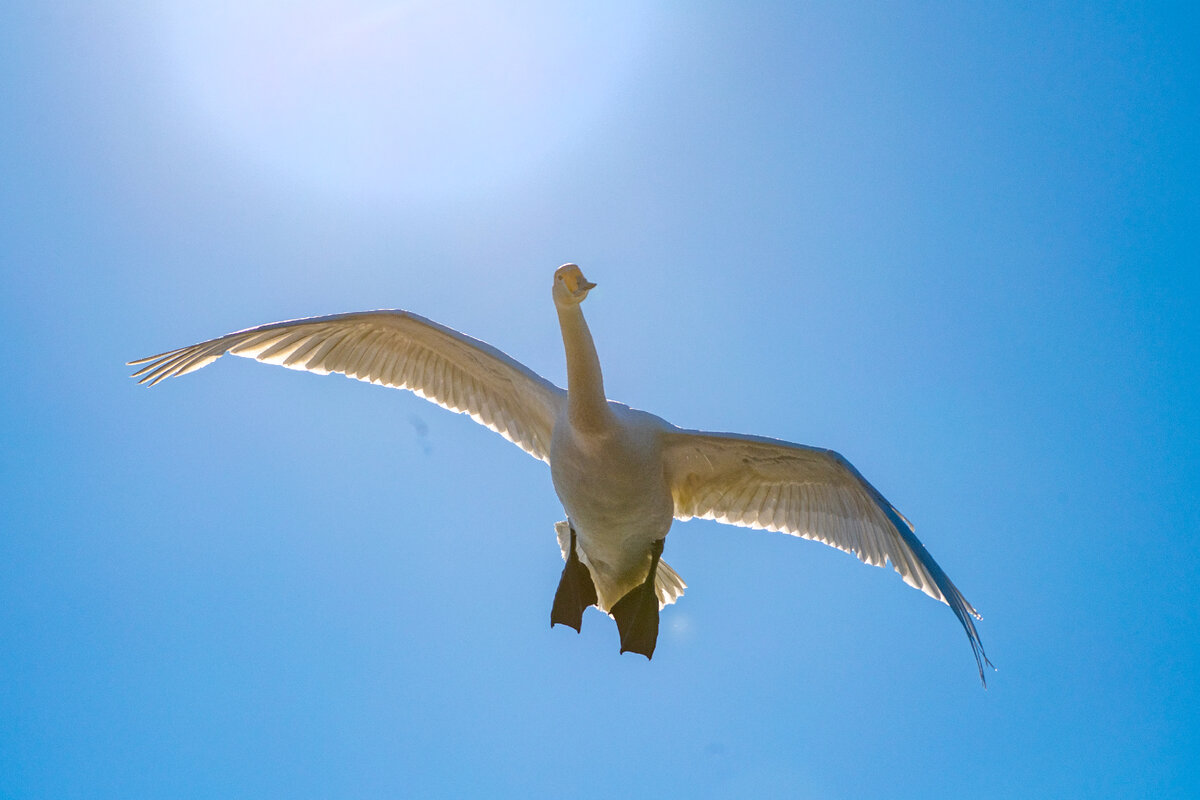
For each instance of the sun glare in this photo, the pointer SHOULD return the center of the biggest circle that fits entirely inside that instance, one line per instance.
(405, 99)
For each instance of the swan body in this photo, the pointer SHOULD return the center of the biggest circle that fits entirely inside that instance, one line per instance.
(615, 493)
(622, 475)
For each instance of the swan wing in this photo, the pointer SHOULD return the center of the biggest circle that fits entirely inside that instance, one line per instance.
(399, 349)
(804, 491)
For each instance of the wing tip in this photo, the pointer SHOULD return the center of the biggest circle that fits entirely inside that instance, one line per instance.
(964, 611)
(981, 660)
(155, 357)
(950, 594)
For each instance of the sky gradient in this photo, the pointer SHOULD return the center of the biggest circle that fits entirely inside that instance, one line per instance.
(956, 244)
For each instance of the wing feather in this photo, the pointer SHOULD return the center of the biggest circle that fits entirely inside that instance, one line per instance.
(398, 349)
(804, 491)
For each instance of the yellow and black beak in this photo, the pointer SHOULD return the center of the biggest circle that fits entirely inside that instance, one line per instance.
(578, 285)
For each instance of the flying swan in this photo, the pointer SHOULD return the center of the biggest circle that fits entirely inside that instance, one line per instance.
(621, 474)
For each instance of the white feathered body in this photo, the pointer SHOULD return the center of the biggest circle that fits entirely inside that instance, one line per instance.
(612, 485)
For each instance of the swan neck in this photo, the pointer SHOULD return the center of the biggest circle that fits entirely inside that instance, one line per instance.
(587, 406)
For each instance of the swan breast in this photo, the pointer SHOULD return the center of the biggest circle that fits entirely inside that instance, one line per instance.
(613, 487)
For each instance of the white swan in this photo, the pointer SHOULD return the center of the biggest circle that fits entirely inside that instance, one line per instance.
(622, 475)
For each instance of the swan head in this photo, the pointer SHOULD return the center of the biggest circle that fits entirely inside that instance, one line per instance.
(570, 287)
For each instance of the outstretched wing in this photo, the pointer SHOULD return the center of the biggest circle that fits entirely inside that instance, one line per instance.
(804, 491)
(398, 349)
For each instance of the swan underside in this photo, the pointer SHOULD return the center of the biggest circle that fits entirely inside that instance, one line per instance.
(636, 614)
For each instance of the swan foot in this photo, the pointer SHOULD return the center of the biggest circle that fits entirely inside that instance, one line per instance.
(575, 592)
(637, 612)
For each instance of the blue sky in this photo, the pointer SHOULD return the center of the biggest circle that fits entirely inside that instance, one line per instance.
(957, 244)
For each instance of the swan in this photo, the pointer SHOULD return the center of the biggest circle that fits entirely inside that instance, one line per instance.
(623, 475)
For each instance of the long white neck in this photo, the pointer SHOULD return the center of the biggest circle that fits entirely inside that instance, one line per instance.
(587, 407)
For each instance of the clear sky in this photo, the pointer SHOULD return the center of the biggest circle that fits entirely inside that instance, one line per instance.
(955, 242)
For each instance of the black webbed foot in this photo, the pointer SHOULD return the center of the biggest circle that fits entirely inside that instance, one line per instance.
(637, 612)
(575, 592)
